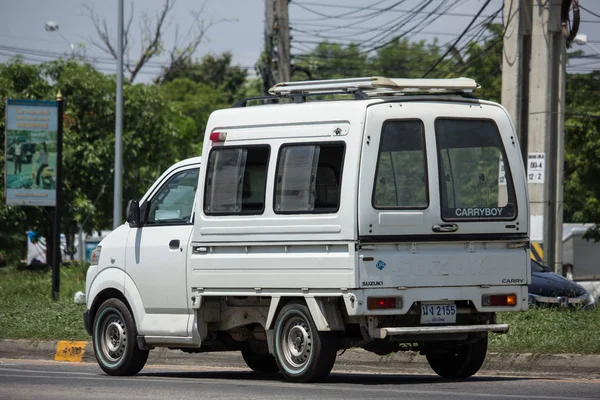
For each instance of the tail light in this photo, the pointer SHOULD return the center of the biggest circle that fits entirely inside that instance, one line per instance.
(499, 300)
(382, 303)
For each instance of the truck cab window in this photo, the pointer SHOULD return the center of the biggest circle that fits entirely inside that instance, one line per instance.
(174, 201)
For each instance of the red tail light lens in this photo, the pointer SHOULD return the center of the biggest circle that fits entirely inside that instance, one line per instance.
(218, 136)
(382, 303)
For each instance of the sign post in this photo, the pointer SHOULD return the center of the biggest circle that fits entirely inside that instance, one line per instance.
(56, 255)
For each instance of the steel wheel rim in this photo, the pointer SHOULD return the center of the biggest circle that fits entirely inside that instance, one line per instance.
(113, 339)
(296, 342)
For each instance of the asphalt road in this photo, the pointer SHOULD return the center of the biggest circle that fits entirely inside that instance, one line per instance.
(27, 379)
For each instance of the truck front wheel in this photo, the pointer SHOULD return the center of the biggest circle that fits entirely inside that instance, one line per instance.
(302, 352)
(114, 337)
(458, 362)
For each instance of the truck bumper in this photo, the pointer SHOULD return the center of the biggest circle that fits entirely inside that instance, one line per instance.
(382, 333)
(86, 322)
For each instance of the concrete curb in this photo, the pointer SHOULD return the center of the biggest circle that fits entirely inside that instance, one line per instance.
(557, 365)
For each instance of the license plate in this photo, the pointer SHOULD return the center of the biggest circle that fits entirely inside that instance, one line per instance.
(438, 313)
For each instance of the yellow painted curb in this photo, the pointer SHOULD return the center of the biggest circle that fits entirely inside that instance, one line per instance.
(69, 351)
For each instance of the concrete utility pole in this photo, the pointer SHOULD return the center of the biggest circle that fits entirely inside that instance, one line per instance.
(283, 41)
(533, 91)
(118, 188)
(266, 68)
(516, 56)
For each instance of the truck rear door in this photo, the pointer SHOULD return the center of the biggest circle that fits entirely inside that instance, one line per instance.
(442, 197)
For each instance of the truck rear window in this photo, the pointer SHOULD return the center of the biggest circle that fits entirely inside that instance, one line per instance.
(401, 176)
(475, 181)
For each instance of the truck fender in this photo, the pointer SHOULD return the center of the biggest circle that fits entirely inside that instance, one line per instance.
(325, 313)
(107, 278)
(116, 278)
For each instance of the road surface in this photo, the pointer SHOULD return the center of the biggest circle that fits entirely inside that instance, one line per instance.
(40, 380)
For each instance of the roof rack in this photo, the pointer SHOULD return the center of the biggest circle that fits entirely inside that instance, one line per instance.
(375, 85)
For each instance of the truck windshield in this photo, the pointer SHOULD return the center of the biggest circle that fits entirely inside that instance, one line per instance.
(474, 179)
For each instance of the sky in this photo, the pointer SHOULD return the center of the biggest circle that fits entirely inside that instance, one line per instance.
(238, 26)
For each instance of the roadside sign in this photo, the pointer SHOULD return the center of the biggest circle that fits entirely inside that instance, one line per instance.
(31, 152)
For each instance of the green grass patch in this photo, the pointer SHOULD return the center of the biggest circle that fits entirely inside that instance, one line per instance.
(27, 310)
(549, 331)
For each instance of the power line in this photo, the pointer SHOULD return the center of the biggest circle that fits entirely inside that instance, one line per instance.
(306, 3)
(457, 40)
(590, 12)
(355, 11)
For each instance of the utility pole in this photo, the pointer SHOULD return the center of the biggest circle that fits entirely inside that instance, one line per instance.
(283, 41)
(118, 187)
(516, 57)
(266, 66)
(533, 92)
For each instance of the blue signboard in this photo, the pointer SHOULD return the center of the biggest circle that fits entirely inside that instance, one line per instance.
(30, 152)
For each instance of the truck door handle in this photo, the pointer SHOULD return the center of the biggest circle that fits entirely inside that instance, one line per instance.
(445, 228)
(174, 244)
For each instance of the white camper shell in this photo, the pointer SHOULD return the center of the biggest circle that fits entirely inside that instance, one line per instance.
(396, 219)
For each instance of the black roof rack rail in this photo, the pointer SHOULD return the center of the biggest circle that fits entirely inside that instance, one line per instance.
(244, 102)
(301, 97)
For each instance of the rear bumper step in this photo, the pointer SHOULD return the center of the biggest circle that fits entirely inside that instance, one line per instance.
(382, 333)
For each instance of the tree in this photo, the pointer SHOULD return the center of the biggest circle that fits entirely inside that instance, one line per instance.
(155, 134)
(332, 60)
(152, 33)
(213, 71)
(582, 149)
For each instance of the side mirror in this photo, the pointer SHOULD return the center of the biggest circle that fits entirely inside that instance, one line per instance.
(133, 213)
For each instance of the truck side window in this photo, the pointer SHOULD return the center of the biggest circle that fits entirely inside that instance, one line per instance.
(401, 175)
(309, 178)
(174, 201)
(236, 180)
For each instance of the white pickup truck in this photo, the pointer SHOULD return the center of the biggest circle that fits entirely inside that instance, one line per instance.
(394, 218)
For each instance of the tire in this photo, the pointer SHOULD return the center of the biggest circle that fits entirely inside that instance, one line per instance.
(260, 362)
(459, 362)
(114, 336)
(303, 354)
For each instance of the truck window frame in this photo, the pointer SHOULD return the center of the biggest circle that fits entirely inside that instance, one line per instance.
(342, 144)
(214, 149)
(425, 167)
(510, 188)
(146, 207)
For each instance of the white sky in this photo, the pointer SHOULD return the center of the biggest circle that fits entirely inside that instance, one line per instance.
(22, 26)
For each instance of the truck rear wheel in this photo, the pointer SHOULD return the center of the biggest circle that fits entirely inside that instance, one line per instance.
(302, 352)
(458, 362)
(114, 338)
(259, 362)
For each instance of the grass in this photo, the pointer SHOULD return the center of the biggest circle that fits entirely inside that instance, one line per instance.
(27, 311)
(549, 331)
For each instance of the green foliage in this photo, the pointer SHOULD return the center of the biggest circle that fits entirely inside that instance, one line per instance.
(582, 149)
(213, 71)
(156, 133)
